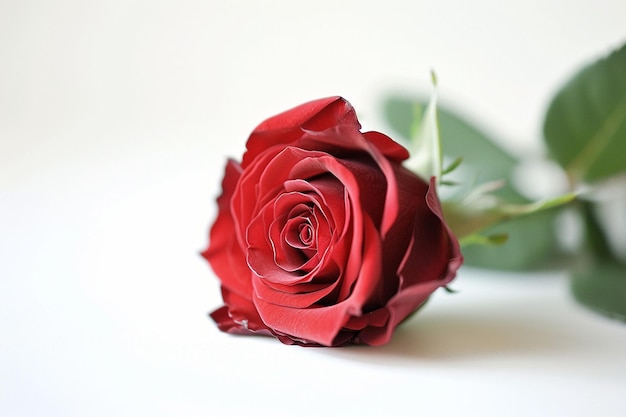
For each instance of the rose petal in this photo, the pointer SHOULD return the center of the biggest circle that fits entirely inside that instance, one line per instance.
(323, 324)
(239, 315)
(268, 256)
(387, 146)
(265, 291)
(342, 140)
(376, 318)
(286, 128)
(431, 261)
(399, 307)
(224, 251)
(434, 252)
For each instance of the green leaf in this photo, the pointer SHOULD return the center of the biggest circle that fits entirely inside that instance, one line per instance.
(601, 287)
(531, 244)
(426, 157)
(585, 125)
(596, 241)
(454, 165)
(483, 161)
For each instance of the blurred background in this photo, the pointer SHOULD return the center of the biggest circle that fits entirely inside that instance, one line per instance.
(116, 118)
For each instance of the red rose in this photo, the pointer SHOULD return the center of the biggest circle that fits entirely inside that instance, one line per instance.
(322, 236)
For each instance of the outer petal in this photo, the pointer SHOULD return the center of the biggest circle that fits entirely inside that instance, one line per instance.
(410, 205)
(287, 127)
(229, 264)
(224, 252)
(318, 114)
(238, 316)
(387, 146)
(431, 261)
(434, 252)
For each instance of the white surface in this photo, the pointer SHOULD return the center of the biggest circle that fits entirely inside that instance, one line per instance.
(115, 119)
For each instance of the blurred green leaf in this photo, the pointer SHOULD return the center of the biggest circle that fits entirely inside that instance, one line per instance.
(467, 218)
(601, 287)
(483, 161)
(585, 125)
(596, 241)
(531, 245)
(425, 147)
(531, 240)
(454, 165)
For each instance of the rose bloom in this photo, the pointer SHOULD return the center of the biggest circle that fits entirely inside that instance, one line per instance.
(322, 236)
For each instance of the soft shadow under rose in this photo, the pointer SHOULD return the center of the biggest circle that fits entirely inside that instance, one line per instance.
(322, 236)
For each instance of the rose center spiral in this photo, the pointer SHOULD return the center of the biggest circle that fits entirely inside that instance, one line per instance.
(299, 231)
(306, 234)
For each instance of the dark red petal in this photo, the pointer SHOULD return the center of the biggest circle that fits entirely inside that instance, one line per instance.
(431, 261)
(432, 245)
(391, 198)
(344, 140)
(412, 207)
(399, 307)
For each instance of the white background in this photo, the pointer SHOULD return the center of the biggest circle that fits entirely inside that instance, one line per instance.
(115, 121)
